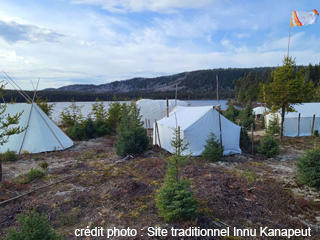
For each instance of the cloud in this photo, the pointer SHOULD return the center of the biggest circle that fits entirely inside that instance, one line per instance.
(145, 5)
(13, 32)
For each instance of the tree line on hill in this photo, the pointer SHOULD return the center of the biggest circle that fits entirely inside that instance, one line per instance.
(241, 84)
(249, 87)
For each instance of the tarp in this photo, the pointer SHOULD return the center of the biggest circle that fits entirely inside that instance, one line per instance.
(290, 125)
(156, 109)
(196, 123)
(41, 135)
(259, 110)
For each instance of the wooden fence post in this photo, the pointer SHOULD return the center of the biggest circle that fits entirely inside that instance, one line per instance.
(299, 125)
(252, 138)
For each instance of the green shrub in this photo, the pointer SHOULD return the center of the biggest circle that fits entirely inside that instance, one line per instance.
(8, 156)
(131, 135)
(32, 175)
(273, 127)
(44, 165)
(175, 202)
(45, 106)
(231, 113)
(308, 168)
(33, 227)
(76, 132)
(269, 147)
(213, 151)
(114, 115)
(316, 133)
(89, 130)
(71, 115)
(101, 127)
(246, 116)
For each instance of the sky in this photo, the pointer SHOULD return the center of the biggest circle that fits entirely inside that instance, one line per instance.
(63, 42)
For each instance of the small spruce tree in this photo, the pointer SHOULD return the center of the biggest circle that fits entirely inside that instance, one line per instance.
(213, 151)
(308, 168)
(71, 115)
(231, 113)
(114, 115)
(246, 116)
(273, 127)
(45, 106)
(174, 200)
(269, 147)
(33, 227)
(131, 135)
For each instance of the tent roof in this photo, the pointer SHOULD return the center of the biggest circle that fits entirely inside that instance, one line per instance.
(259, 110)
(305, 109)
(185, 116)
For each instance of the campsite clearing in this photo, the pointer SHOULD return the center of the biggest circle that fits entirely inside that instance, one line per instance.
(243, 191)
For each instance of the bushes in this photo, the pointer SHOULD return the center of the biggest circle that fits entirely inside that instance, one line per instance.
(71, 115)
(8, 156)
(308, 168)
(269, 147)
(33, 227)
(213, 151)
(131, 135)
(231, 113)
(32, 175)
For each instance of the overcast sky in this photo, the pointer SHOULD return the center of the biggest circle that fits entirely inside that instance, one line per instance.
(66, 42)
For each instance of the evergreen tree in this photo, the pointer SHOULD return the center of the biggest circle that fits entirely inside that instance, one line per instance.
(231, 113)
(71, 115)
(174, 200)
(246, 116)
(7, 126)
(213, 151)
(288, 87)
(308, 168)
(114, 114)
(131, 135)
(45, 106)
(33, 227)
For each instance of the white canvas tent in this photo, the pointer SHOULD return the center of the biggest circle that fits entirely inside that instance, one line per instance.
(156, 109)
(306, 110)
(196, 124)
(259, 111)
(41, 135)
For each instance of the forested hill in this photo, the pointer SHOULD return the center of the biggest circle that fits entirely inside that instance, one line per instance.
(189, 82)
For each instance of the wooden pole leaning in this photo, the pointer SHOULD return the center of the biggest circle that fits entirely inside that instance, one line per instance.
(314, 117)
(157, 131)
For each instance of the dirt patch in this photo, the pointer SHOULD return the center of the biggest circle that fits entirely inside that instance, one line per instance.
(244, 191)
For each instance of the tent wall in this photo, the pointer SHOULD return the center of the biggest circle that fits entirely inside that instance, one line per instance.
(290, 125)
(156, 109)
(41, 135)
(196, 124)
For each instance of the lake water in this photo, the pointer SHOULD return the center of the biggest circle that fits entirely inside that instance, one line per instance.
(87, 106)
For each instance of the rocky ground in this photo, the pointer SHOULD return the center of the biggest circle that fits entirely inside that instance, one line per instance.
(97, 188)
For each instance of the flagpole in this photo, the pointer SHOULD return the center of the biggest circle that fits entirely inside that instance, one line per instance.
(289, 35)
